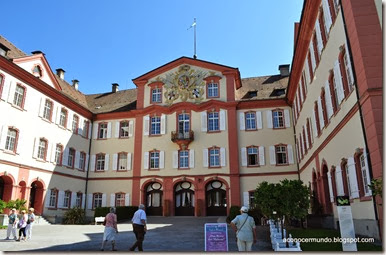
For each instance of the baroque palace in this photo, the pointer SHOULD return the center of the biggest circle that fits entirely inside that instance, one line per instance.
(193, 138)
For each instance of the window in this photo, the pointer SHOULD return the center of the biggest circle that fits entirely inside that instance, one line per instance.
(310, 66)
(183, 160)
(214, 157)
(345, 70)
(102, 131)
(124, 129)
(85, 128)
(250, 121)
(213, 121)
(333, 92)
(119, 199)
(53, 198)
(42, 149)
(97, 200)
(78, 201)
(316, 112)
(75, 124)
(156, 95)
(347, 179)
(67, 199)
(315, 46)
(47, 113)
(281, 155)
(82, 160)
(154, 160)
(253, 156)
(122, 161)
(100, 162)
(365, 178)
(212, 89)
(1, 84)
(58, 154)
(278, 118)
(11, 141)
(155, 128)
(309, 132)
(63, 117)
(183, 123)
(323, 27)
(324, 107)
(71, 158)
(19, 97)
(37, 71)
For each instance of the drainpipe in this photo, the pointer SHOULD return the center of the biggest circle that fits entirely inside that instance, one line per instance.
(88, 170)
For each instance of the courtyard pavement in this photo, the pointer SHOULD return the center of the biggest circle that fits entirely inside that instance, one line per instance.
(165, 234)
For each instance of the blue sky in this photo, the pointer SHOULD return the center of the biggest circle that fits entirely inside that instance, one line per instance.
(103, 42)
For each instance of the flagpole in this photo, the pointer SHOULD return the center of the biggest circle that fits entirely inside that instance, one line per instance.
(195, 56)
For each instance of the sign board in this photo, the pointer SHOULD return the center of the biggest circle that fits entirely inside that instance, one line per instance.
(216, 237)
(346, 223)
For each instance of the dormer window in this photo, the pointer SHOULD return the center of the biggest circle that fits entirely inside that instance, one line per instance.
(37, 71)
(3, 50)
(212, 86)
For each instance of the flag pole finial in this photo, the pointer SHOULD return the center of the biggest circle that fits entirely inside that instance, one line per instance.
(194, 25)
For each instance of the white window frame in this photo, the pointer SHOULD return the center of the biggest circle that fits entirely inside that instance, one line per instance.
(214, 157)
(97, 200)
(154, 160)
(156, 95)
(256, 155)
(122, 161)
(11, 140)
(155, 125)
(276, 119)
(42, 148)
(67, 199)
(279, 149)
(183, 159)
(53, 198)
(102, 130)
(47, 113)
(213, 89)
(100, 160)
(250, 121)
(213, 121)
(19, 96)
(82, 160)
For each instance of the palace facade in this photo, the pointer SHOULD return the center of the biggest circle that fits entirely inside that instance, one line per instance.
(193, 138)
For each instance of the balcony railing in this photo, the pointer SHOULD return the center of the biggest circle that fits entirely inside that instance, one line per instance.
(182, 137)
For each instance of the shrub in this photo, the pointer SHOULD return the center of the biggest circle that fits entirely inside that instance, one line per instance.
(18, 204)
(74, 216)
(3, 205)
(256, 214)
(233, 212)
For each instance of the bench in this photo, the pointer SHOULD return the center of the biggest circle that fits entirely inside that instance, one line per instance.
(99, 220)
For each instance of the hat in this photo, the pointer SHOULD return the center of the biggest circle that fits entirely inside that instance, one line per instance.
(244, 209)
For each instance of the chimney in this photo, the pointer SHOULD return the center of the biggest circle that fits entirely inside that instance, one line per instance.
(60, 72)
(37, 52)
(284, 70)
(115, 87)
(75, 84)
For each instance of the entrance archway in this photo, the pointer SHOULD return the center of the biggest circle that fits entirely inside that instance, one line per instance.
(36, 196)
(6, 184)
(154, 199)
(184, 199)
(216, 199)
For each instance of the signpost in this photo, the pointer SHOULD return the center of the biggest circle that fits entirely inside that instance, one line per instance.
(216, 237)
(346, 223)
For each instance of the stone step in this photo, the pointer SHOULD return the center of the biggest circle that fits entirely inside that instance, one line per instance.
(40, 220)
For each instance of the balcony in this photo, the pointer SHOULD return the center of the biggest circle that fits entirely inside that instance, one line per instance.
(182, 138)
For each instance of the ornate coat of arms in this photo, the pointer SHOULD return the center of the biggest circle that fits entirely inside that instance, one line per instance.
(185, 84)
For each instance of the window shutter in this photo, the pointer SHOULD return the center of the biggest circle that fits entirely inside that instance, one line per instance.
(146, 160)
(80, 128)
(11, 93)
(246, 198)
(306, 136)
(65, 157)
(320, 110)
(313, 62)
(112, 200)
(128, 161)
(107, 162)
(244, 156)
(163, 124)
(191, 158)
(89, 130)
(127, 199)
(175, 159)
(60, 198)
(328, 99)
(290, 154)
(41, 106)
(259, 120)
(205, 158)
(242, 120)
(349, 67)
(204, 120)
(69, 119)
(339, 181)
(314, 124)
(318, 37)
(104, 200)
(353, 178)
(5, 92)
(338, 81)
(109, 130)
(272, 155)
(297, 150)
(367, 172)
(115, 161)
(330, 189)
(83, 201)
(89, 201)
(326, 15)
(146, 120)
(35, 148)
(117, 126)
(303, 151)
(269, 118)
(131, 126)
(86, 163)
(92, 163)
(287, 118)
(161, 159)
(73, 199)
(3, 136)
(95, 133)
(307, 70)
(77, 156)
(223, 157)
(47, 202)
(261, 156)
(301, 93)
(222, 120)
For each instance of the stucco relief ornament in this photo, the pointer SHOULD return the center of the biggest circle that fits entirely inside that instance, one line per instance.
(185, 84)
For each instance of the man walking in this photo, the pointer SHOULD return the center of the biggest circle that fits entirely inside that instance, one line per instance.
(244, 226)
(139, 227)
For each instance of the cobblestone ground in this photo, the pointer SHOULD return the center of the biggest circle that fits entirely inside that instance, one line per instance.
(165, 234)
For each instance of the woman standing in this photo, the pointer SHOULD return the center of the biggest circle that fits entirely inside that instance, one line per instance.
(110, 229)
(22, 225)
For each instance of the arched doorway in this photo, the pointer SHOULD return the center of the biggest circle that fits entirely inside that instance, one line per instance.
(184, 199)
(36, 196)
(2, 187)
(216, 199)
(154, 199)
(326, 193)
(6, 184)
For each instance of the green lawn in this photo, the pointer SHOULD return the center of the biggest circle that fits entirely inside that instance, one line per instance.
(323, 233)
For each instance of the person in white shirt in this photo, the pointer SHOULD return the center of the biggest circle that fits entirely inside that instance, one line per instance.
(139, 227)
(30, 222)
(244, 226)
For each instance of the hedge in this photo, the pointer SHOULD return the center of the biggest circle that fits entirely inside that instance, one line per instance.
(123, 212)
